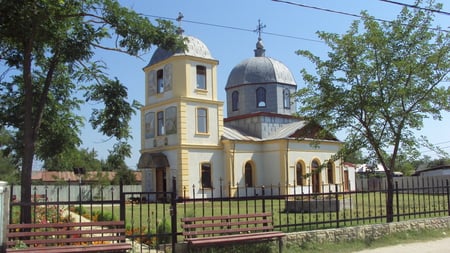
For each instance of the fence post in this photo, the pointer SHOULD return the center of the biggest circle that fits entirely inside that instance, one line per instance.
(338, 204)
(122, 206)
(448, 198)
(173, 213)
(4, 213)
(397, 201)
(263, 194)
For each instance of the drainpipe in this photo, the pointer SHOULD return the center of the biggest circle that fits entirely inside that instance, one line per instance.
(287, 166)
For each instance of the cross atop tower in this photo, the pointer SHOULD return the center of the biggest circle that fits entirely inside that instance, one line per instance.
(179, 18)
(259, 28)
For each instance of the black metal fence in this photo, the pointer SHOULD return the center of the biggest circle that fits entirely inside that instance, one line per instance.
(152, 218)
(418, 198)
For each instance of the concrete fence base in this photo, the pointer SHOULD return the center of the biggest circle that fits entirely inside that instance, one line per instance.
(365, 231)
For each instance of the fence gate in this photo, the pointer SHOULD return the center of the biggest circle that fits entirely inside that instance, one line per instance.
(151, 218)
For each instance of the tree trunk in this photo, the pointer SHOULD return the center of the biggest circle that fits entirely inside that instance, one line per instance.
(390, 198)
(28, 140)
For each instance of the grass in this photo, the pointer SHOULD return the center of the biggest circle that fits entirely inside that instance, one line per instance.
(358, 245)
(367, 208)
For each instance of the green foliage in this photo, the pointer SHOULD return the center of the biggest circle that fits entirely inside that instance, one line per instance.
(102, 216)
(380, 81)
(8, 169)
(74, 158)
(126, 176)
(81, 210)
(48, 47)
(355, 157)
(163, 230)
(116, 157)
(114, 118)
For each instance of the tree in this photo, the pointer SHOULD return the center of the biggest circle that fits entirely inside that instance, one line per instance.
(379, 82)
(51, 44)
(355, 157)
(8, 169)
(74, 158)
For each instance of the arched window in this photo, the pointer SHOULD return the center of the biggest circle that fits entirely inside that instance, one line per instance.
(300, 174)
(315, 176)
(206, 175)
(201, 77)
(160, 81)
(248, 174)
(160, 123)
(235, 100)
(286, 99)
(202, 120)
(330, 172)
(260, 97)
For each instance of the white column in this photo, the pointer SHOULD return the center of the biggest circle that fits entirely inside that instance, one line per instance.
(4, 213)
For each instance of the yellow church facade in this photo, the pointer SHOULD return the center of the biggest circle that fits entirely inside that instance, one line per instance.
(185, 135)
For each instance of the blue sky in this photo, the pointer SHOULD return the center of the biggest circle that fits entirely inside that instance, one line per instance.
(226, 27)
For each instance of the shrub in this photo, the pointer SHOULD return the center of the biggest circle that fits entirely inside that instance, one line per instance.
(163, 232)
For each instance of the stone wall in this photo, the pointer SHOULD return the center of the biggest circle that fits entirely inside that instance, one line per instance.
(351, 233)
(365, 231)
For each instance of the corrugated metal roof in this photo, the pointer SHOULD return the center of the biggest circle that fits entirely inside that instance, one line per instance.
(284, 132)
(237, 135)
(287, 130)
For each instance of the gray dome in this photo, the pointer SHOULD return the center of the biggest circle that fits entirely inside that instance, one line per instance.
(260, 69)
(194, 47)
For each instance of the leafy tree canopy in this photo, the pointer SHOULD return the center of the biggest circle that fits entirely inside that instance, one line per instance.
(379, 82)
(76, 158)
(47, 49)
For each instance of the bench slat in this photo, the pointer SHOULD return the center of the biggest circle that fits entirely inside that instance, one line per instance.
(61, 241)
(69, 224)
(228, 229)
(227, 224)
(106, 236)
(77, 248)
(65, 232)
(243, 230)
(234, 238)
(224, 217)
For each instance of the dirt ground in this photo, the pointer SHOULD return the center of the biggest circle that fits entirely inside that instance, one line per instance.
(437, 246)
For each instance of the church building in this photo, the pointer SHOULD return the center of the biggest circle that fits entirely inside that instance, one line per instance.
(259, 142)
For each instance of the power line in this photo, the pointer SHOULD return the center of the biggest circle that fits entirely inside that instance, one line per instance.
(341, 12)
(416, 7)
(235, 28)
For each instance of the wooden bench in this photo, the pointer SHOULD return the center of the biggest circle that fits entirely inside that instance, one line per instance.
(102, 236)
(230, 229)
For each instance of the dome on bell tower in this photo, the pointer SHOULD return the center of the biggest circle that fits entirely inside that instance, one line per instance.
(194, 47)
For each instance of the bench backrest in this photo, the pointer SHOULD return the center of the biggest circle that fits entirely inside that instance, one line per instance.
(53, 234)
(226, 224)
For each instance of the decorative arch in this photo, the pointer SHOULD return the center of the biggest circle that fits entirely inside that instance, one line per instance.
(316, 175)
(331, 172)
(286, 98)
(261, 97)
(249, 174)
(300, 173)
(235, 100)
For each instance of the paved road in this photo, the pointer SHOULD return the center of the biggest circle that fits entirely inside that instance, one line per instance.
(438, 246)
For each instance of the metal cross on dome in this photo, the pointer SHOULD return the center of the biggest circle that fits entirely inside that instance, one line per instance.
(179, 18)
(259, 28)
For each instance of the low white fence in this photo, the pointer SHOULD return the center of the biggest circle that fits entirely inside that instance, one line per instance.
(75, 192)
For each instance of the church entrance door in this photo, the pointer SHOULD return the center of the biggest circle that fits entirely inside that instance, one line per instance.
(161, 183)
